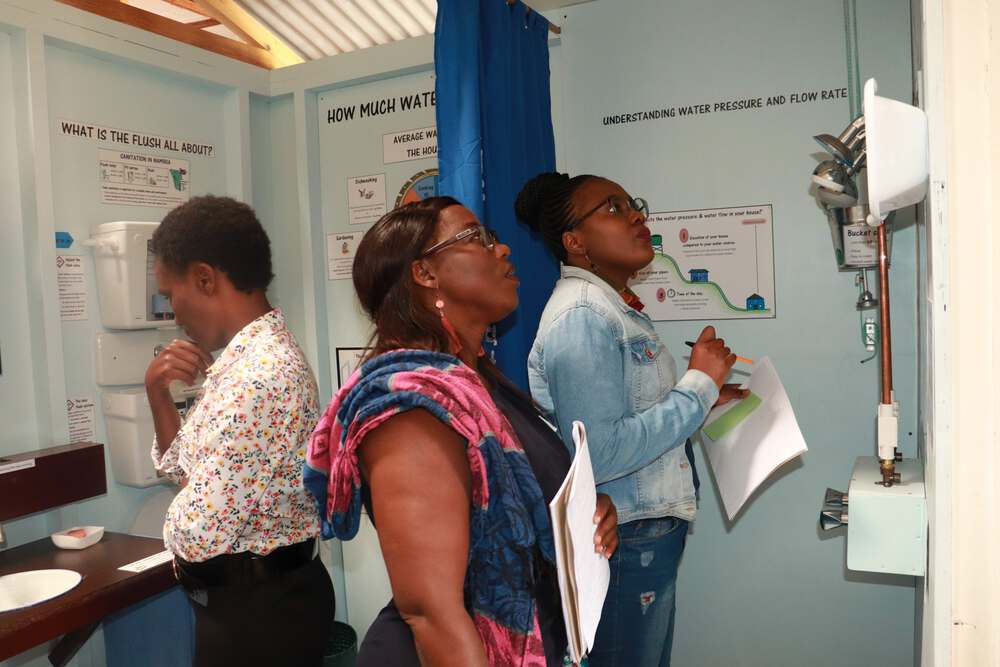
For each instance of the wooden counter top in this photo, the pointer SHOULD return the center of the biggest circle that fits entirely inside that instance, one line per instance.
(104, 589)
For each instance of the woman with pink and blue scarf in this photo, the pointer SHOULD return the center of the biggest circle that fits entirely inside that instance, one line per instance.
(454, 464)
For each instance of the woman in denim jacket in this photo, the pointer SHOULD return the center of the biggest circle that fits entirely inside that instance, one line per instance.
(597, 359)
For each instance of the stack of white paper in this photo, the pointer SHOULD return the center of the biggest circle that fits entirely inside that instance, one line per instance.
(584, 574)
(749, 439)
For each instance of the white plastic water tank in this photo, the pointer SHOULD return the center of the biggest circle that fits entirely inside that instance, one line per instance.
(130, 436)
(126, 282)
(129, 423)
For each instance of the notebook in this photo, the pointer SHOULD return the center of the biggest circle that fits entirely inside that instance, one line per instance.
(584, 574)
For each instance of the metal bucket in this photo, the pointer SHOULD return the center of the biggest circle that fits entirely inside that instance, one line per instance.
(855, 243)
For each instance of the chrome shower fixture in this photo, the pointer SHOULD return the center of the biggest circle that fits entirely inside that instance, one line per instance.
(845, 147)
(866, 300)
(834, 186)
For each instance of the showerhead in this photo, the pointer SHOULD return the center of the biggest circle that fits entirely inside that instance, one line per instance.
(837, 199)
(830, 174)
(844, 147)
(866, 301)
(834, 186)
(835, 147)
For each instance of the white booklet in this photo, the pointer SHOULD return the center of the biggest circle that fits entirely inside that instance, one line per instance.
(584, 574)
(747, 440)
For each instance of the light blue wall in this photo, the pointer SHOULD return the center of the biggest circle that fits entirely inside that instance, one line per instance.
(274, 197)
(17, 382)
(768, 589)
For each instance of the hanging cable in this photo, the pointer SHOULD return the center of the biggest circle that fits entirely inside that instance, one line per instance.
(851, 53)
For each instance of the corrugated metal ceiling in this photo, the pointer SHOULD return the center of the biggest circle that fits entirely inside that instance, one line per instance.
(318, 28)
(283, 32)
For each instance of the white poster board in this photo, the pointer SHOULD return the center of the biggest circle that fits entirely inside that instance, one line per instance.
(710, 264)
(365, 199)
(80, 415)
(72, 288)
(143, 180)
(340, 252)
(408, 145)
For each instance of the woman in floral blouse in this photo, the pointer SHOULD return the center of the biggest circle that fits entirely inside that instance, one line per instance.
(241, 529)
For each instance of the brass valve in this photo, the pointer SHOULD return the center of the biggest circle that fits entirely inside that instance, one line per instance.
(888, 468)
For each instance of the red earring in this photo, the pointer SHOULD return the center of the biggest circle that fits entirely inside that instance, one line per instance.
(449, 328)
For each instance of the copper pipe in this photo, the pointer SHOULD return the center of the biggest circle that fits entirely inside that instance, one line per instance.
(883, 286)
(886, 466)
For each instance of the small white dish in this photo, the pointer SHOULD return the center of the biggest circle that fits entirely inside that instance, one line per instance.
(91, 535)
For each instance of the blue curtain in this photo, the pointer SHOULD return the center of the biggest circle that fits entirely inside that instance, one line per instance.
(494, 120)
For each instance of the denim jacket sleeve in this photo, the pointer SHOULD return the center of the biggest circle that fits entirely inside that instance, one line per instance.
(585, 372)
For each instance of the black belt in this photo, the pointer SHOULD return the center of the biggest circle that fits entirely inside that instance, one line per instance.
(244, 567)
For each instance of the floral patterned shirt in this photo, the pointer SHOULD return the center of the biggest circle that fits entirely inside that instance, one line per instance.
(242, 447)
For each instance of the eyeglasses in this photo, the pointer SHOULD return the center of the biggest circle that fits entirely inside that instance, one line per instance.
(615, 205)
(486, 236)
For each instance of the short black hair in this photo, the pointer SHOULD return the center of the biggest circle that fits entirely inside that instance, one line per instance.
(221, 232)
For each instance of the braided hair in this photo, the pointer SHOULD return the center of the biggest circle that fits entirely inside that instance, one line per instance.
(545, 205)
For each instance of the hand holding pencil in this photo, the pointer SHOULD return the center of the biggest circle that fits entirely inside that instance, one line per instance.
(691, 343)
(711, 356)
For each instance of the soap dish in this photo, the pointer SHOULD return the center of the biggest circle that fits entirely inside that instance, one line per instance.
(78, 537)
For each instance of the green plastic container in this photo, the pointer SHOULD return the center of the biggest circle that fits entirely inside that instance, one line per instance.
(341, 647)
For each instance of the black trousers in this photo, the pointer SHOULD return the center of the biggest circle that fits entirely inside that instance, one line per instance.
(282, 621)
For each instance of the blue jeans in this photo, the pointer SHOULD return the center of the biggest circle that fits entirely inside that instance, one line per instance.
(637, 622)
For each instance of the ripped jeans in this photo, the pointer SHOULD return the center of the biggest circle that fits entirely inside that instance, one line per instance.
(637, 622)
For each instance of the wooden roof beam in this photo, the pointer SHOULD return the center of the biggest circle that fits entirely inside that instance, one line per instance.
(189, 5)
(202, 24)
(249, 29)
(182, 32)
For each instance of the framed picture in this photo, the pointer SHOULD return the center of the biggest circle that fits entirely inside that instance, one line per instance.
(348, 361)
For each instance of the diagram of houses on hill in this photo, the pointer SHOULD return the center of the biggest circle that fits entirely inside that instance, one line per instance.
(710, 264)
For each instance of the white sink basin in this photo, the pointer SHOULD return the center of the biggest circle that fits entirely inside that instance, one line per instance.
(23, 589)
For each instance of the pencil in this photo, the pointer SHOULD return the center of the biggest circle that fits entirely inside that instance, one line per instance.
(690, 343)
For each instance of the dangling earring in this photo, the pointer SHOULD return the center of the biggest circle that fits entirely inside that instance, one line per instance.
(449, 328)
(491, 340)
(593, 267)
